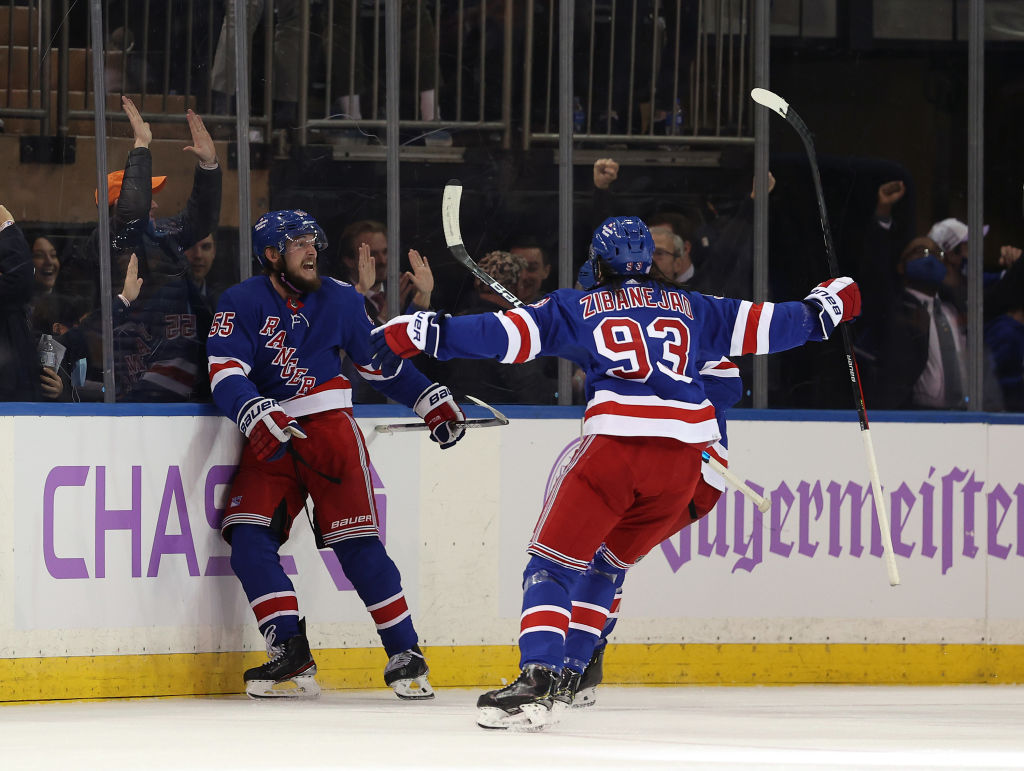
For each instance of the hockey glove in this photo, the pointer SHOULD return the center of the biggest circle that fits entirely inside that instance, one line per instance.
(442, 415)
(268, 428)
(835, 301)
(407, 336)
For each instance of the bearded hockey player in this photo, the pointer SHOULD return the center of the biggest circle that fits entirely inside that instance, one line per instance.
(640, 339)
(274, 359)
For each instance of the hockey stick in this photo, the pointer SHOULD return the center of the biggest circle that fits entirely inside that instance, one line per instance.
(760, 501)
(498, 420)
(450, 204)
(776, 103)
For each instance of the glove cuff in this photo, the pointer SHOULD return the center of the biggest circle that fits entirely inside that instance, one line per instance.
(431, 397)
(251, 413)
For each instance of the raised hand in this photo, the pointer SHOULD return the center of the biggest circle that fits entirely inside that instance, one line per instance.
(143, 134)
(606, 171)
(889, 193)
(202, 144)
(132, 282)
(836, 300)
(420, 281)
(367, 271)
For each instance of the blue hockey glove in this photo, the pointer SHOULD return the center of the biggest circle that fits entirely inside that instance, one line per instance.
(267, 427)
(442, 415)
(835, 301)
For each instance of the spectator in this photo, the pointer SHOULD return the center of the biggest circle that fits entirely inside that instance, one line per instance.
(671, 254)
(159, 349)
(951, 236)
(534, 277)
(415, 286)
(200, 258)
(921, 361)
(21, 377)
(535, 382)
(353, 72)
(723, 249)
(287, 49)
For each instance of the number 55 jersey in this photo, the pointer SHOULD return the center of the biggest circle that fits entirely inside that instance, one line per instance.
(641, 345)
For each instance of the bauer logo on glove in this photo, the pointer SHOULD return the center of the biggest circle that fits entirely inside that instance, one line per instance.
(836, 300)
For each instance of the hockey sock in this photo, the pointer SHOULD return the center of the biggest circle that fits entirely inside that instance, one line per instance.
(593, 596)
(270, 592)
(379, 585)
(546, 612)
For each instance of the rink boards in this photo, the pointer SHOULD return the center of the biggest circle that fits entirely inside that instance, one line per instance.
(116, 582)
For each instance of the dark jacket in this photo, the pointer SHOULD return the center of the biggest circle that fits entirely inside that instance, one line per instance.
(19, 364)
(159, 348)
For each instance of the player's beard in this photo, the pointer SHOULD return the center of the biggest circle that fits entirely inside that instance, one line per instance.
(297, 280)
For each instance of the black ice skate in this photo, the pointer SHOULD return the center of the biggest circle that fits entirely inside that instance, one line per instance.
(289, 673)
(525, 704)
(407, 672)
(565, 691)
(586, 692)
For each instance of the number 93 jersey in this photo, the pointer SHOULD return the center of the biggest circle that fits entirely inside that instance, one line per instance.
(641, 346)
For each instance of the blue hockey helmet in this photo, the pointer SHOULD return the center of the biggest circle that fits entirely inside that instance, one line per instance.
(276, 228)
(625, 244)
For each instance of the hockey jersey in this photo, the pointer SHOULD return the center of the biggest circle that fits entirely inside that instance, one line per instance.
(640, 346)
(723, 387)
(261, 345)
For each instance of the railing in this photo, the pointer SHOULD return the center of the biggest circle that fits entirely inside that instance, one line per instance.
(651, 71)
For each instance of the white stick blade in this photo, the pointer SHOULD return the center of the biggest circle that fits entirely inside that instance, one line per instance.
(770, 99)
(450, 202)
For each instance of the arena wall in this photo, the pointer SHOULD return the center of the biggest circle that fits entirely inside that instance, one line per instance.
(115, 582)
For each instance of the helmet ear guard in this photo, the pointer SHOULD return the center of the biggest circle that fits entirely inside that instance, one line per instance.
(624, 244)
(277, 228)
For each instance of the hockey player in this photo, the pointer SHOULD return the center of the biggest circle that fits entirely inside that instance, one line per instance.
(274, 361)
(591, 624)
(639, 338)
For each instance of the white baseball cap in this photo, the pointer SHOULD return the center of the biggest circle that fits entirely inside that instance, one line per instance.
(950, 233)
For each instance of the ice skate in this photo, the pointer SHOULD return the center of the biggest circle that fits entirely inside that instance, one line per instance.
(565, 692)
(407, 672)
(525, 704)
(586, 691)
(289, 673)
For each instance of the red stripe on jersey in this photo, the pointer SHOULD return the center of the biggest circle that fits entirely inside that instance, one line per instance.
(215, 368)
(750, 333)
(391, 611)
(615, 606)
(551, 618)
(524, 337)
(339, 382)
(589, 617)
(274, 605)
(651, 411)
(722, 366)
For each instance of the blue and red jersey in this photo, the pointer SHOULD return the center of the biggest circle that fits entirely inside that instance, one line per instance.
(641, 346)
(262, 345)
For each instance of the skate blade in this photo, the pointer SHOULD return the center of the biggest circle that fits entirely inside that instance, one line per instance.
(531, 717)
(413, 688)
(302, 687)
(585, 698)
